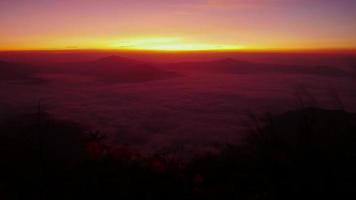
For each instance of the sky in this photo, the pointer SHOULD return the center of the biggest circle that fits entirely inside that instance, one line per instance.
(177, 24)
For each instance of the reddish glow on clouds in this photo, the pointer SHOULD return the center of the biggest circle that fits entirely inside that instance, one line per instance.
(177, 24)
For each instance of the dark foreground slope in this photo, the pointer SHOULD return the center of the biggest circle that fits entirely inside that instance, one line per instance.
(300, 154)
(309, 153)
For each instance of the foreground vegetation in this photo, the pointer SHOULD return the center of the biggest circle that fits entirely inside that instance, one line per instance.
(300, 154)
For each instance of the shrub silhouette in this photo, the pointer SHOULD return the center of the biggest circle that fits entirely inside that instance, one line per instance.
(34, 147)
(309, 152)
(300, 154)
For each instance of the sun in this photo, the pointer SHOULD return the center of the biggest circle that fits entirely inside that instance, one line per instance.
(169, 44)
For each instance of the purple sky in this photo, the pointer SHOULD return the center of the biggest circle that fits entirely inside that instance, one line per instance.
(109, 24)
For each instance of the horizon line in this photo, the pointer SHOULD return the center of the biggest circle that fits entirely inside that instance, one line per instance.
(257, 50)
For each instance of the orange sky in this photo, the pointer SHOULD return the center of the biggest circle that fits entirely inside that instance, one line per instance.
(177, 24)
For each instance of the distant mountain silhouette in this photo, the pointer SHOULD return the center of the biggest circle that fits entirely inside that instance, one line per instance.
(113, 69)
(116, 60)
(232, 66)
(17, 71)
(121, 69)
(222, 65)
(351, 64)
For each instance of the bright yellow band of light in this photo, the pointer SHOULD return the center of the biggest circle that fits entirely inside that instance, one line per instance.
(169, 44)
(155, 43)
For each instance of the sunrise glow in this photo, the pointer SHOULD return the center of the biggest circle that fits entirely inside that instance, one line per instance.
(169, 44)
